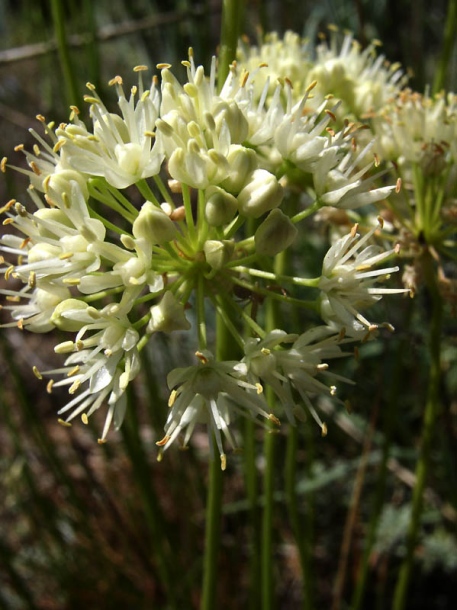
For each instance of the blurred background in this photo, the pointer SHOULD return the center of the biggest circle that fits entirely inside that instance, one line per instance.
(84, 525)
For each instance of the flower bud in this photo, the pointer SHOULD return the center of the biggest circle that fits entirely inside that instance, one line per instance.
(220, 207)
(275, 234)
(168, 315)
(218, 253)
(153, 225)
(242, 162)
(229, 113)
(262, 193)
(60, 182)
(72, 314)
(50, 217)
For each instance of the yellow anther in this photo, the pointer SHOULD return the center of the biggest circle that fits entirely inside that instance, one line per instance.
(37, 373)
(259, 388)
(74, 371)
(75, 386)
(163, 66)
(35, 168)
(324, 430)
(274, 419)
(311, 86)
(223, 461)
(140, 68)
(353, 232)
(398, 185)
(172, 398)
(9, 271)
(101, 441)
(84, 418)
(265, 351)
(90, 99)
(117, 80)
(49, 386)
(62, 422)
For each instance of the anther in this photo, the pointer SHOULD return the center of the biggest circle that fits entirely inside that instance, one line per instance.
(64, 423)
(164, 441)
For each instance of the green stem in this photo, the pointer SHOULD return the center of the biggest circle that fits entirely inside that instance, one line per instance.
(64, 54)
(431, 409)
(232, 15)
(450, 31)
(267, 519)
(267, 567)
(212, 535)
(303, 544)
(224, 350)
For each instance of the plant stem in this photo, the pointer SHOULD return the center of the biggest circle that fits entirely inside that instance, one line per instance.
(303, 544)
(224, 350)
(268, 585)
(431, 409)
(232, 15)
(450, 30)
(212, 535)
(64, 54)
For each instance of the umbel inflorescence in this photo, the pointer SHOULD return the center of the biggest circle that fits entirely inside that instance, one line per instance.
(173, 211)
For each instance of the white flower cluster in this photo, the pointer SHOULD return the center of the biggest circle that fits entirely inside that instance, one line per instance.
(179, 202)
(361, 78)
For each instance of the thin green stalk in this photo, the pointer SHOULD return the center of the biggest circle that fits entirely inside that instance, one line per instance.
(153, 513)
(252, 493)
(431, 410)
(303, 544)
(267, 566)
(224, 349)
(58, 19)
(212, 535)
(450, 32)
(232, 15)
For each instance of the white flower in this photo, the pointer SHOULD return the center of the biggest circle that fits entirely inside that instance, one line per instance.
(121, 148)
(37, 310)
(348, 279)
(268, 361)
(210, 392)
(56, 245)
(106, 361)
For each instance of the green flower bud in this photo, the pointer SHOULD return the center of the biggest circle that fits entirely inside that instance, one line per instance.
(275, 234)
(153, 225)
(51, 217)
(230, 114)
(59, 183)
(262, 193)
(72, 314)
(242, 162)
(220, 207)
(218, 253)
(168, 315)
